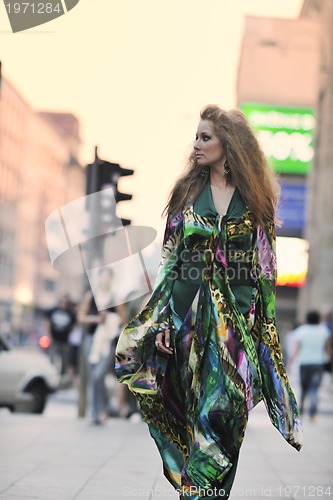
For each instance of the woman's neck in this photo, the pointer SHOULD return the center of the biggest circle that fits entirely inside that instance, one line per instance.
(217, 177)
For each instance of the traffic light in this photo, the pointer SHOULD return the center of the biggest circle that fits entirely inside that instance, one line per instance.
(101, 176)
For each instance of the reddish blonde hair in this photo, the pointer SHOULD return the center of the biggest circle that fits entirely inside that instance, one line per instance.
(250, 171)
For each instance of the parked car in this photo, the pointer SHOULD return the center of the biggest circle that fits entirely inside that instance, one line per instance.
(26, 379)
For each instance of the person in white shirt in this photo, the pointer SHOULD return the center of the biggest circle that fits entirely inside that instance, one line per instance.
(312, 344)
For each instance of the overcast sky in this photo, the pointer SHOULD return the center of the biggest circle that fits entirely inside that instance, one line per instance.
(136, 73)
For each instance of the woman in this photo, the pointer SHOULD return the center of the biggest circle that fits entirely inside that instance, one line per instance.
(205, 350)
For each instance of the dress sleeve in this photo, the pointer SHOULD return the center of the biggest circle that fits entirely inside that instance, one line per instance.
(171, 245)
(138, 363)
(278, 395)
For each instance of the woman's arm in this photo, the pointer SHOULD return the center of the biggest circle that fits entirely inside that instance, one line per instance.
(278, 395)
(173, 235)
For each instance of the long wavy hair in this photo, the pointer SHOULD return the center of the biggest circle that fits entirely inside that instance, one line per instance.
(250, 171)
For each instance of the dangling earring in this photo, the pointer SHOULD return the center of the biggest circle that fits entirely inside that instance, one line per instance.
(227, 170)
(204, 172)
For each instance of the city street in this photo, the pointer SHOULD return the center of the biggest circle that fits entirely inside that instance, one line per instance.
(166, 173)
(61, 457)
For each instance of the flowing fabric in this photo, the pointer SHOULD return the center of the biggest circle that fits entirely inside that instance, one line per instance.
(225, 359)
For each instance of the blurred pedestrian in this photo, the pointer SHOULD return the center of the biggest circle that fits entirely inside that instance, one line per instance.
(327, 320)
(74, 341)
(205, 348)
(103, 324)
(312, 342)
(59, 322)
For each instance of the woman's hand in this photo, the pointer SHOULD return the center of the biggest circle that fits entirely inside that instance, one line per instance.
(162, 342)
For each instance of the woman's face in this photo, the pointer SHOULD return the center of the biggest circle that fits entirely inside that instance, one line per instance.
(207, 146)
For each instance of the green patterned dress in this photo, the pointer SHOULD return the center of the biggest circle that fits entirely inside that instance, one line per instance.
(215, 292)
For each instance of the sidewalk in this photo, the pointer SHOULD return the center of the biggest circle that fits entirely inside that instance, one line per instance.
(66, 458)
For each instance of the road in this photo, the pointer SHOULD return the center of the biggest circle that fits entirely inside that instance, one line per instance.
(61, 457)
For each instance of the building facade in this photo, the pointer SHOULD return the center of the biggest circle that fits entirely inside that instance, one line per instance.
(277, 88)
(39, 172)
(318, 291)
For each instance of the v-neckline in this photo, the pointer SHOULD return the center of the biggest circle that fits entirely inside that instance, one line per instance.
(213, 204)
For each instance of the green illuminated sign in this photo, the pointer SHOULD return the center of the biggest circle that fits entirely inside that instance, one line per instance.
(286, 135)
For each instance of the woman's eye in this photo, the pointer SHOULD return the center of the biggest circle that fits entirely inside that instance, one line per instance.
(203, 137)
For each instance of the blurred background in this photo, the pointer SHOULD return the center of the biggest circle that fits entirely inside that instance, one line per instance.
(131, 78)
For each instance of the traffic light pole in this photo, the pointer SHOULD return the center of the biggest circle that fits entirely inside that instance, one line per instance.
(83, 367)
(103, 220)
